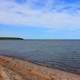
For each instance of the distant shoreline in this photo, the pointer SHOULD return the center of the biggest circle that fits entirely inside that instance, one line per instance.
(10, 38)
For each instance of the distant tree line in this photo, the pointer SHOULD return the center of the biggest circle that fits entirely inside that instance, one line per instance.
(10, 38)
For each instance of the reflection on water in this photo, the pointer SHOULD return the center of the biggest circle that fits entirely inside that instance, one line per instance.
(62, 54)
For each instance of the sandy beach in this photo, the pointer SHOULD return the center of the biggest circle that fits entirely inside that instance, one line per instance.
(17, 69)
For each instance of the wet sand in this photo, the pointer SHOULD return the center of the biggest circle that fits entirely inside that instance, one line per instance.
(17, 69)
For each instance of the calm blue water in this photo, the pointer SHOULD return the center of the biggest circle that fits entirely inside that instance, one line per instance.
(62, 54)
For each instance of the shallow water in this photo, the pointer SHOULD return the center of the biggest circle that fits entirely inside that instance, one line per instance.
(62, 54)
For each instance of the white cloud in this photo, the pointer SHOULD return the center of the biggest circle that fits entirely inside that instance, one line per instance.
(14, 13)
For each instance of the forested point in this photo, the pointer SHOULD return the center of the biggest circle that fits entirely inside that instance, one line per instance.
(10, 38)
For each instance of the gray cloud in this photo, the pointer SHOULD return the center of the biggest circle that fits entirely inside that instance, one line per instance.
(68, 6)
(53, 14)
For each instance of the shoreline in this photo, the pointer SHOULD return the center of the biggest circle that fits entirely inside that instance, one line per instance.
(41, 64)
(33, 71)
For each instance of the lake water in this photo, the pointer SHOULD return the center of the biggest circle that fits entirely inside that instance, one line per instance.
(61, 54)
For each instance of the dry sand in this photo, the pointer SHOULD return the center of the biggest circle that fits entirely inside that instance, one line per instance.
(16, 69)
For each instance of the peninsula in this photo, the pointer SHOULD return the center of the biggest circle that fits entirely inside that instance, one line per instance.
(10, 38)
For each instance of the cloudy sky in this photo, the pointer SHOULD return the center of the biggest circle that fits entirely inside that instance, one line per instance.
(40, 19)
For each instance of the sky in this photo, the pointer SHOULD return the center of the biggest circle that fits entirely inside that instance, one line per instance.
(40, 19)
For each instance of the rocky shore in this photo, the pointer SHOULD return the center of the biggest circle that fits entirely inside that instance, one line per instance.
(17, 69)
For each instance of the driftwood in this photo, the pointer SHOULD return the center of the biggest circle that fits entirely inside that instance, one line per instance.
(16, 69)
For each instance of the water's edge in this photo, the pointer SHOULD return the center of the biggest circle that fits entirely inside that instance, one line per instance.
(60, 54)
